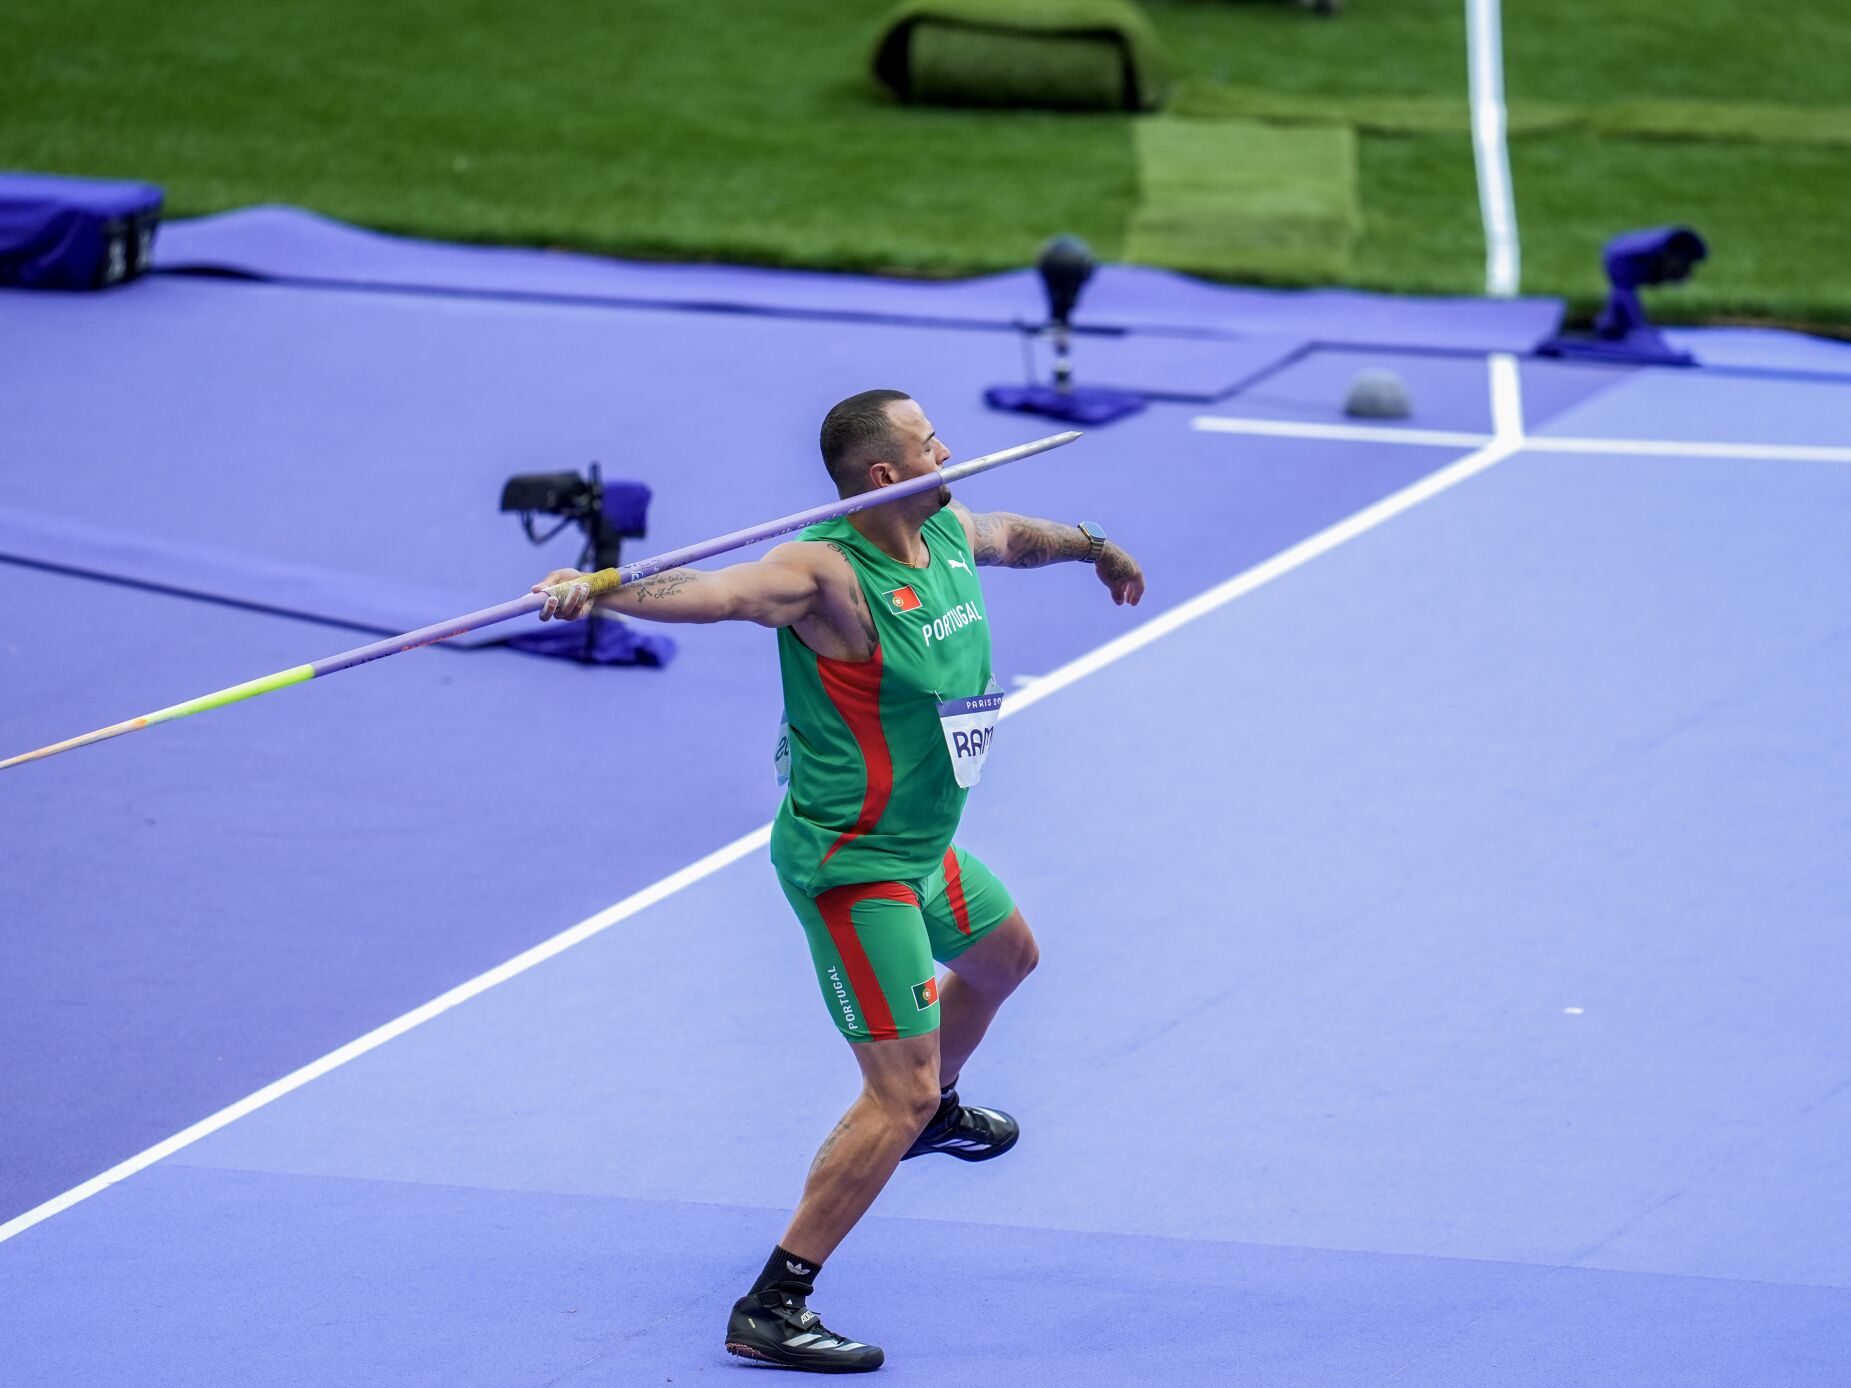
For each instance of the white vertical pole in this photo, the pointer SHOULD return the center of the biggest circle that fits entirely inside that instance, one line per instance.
(1484, 40)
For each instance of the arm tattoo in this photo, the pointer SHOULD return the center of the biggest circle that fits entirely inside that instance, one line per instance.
(1029, 543)
(661, 586)
(986, 537)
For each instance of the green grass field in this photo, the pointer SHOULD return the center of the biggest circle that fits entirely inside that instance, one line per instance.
(704, 130)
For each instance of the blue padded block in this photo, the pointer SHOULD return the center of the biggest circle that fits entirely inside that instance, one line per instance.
(74, 233)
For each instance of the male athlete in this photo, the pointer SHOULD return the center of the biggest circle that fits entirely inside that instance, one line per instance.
(885, 653)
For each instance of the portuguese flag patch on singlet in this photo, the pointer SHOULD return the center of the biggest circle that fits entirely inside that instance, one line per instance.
(902, 599)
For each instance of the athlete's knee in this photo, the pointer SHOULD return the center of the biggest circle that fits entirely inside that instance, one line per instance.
(998, 963)
(908, 1096)
(1020, 952)
(912, 1106)
(900, 1078)
(1028, 956)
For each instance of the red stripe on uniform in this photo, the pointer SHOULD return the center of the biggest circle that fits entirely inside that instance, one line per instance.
(854, 687)
(954, 891)
(837, 906)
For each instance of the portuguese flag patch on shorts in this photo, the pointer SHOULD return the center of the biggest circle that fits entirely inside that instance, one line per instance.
(902, 599)
(925, 994)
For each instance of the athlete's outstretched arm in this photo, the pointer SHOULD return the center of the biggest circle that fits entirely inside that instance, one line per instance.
(1023, 542)
(776, 591)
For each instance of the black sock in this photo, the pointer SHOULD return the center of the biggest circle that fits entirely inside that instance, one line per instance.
(786, 1272)
(946, 1090)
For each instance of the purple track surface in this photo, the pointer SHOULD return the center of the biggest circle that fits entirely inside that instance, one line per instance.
(281, 243)
(1318, 875)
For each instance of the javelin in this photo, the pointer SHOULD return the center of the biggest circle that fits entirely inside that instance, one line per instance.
(602, 582)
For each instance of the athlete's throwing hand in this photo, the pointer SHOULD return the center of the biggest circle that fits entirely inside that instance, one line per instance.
(1120, 573)
(577, 600)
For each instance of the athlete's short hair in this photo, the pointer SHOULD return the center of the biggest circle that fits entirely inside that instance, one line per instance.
(853, 430)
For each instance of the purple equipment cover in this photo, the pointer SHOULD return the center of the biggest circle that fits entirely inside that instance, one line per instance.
(74, 233)
(1079, 405)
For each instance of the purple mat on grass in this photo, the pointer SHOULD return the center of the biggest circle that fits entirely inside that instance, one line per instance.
(289, 244)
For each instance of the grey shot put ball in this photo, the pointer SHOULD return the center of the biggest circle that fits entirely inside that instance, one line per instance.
(1378, 393)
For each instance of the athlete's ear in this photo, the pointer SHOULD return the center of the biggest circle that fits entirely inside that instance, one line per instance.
(883, 474)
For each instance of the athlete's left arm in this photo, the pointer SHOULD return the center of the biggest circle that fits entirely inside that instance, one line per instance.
(1022, 542)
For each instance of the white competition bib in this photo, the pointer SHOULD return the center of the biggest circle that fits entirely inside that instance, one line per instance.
(969, 726)
(781, 754)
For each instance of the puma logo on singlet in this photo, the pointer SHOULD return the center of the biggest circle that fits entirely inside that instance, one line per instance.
(958, 564)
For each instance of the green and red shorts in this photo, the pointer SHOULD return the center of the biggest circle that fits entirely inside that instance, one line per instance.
(874, 943)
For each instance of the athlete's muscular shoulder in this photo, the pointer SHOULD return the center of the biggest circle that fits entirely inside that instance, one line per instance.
(839, 624)
(967, 522)
(986, 532)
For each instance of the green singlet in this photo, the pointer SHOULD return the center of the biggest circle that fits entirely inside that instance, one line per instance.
(872, 794)
(862, 842)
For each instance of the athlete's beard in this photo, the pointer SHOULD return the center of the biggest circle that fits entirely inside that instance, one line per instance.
(944, 497)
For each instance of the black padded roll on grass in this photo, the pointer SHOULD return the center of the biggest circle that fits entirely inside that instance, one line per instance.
(1079, 55)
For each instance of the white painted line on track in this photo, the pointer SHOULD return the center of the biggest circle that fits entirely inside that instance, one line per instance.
(1506, 397)
(1506, 410)
(1349, 433)
(1673, 448)
(1535, 443)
